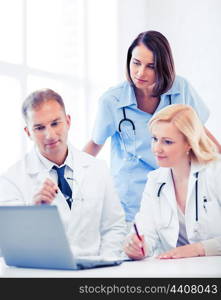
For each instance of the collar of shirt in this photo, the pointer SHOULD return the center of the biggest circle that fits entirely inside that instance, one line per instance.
(49, 164)
(125, 95)
(68, 174)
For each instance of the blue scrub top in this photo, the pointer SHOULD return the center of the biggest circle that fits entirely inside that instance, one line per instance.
(131, 155)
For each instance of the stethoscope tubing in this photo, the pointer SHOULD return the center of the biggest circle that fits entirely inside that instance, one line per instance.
(129, 120)
(126, 119)
(196, 195)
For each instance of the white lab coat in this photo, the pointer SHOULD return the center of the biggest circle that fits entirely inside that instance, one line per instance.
(95, 225)
(158, 217)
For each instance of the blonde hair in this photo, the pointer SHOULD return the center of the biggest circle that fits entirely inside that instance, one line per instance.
(185, 119)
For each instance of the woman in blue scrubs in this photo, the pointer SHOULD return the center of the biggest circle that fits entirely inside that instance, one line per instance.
(124, 111)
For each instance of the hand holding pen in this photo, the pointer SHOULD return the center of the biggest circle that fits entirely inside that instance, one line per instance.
(46, 192)
(134, 247)
(139, 237)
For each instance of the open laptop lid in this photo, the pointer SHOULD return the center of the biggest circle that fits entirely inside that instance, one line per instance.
(34, 236)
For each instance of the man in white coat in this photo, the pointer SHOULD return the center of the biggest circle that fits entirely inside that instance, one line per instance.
(89, 207)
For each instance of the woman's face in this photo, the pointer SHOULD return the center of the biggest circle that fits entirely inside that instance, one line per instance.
(142, 70)
(169, 145)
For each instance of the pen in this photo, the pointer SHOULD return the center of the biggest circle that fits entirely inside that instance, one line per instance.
(139, 237)
(204, 204)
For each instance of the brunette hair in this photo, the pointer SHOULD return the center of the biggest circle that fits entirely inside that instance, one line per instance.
(163, 59)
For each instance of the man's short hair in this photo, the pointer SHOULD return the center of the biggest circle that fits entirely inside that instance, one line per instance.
(36, 98)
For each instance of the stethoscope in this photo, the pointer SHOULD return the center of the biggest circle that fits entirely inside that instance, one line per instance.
(125, 119)
(196, 196)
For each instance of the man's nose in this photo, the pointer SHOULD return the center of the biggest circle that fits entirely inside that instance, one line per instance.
(49, 133)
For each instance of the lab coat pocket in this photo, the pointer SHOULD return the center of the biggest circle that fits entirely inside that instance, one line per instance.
(92, 206)
(163, 215)
(164, 219)
(87, 201)
(210, 219)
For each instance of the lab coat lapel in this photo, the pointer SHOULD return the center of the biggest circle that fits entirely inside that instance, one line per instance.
(191, 187)
(80, 166)
(167, 190)
(195, 167)
(33, 164)
(36, 168)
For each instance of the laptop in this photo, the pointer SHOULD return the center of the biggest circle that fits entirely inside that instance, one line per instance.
(34, 237)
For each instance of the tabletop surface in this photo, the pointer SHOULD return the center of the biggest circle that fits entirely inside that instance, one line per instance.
(147, 268)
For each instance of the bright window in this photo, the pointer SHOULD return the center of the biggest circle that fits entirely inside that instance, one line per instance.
(57, 44)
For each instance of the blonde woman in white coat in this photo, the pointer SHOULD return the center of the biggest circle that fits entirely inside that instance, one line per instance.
(180, 214)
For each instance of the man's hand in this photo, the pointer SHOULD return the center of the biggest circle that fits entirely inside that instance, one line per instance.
(133, 247)
(190, 250)
(47, 192)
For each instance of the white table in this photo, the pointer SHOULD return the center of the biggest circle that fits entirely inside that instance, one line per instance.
(197, 267)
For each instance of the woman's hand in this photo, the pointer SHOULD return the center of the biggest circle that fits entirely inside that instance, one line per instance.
(135, 248)
(190, 250)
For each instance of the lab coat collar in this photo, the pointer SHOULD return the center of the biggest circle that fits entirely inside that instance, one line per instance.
(166, 177)
(165, 173)
(33, 164)
(49, 164)
(167, 190)
(82, 162)
(196, 167)
(79, 160)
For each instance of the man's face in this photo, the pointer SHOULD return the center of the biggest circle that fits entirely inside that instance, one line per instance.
(48, 127)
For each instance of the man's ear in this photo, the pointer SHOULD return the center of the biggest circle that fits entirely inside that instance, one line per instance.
(68, 118)
(27, 132)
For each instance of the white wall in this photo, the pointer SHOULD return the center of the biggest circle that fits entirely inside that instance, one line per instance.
(193, 28)
(99, 41)
(132, 19)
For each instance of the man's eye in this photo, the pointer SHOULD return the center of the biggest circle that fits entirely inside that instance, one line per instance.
(39, 128)
(54, 124)
(154, 139)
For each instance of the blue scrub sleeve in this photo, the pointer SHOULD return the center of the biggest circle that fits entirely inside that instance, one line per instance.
(104, 126)
(194, 100)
